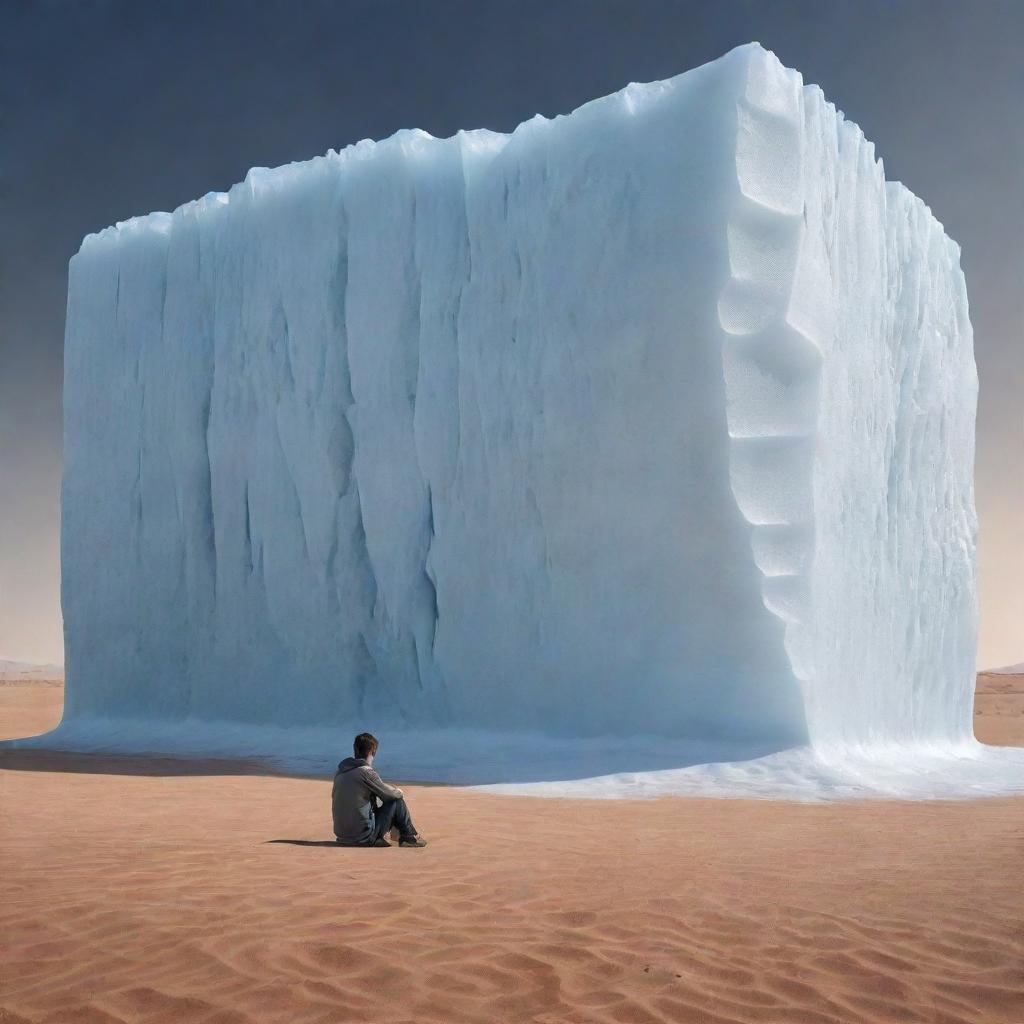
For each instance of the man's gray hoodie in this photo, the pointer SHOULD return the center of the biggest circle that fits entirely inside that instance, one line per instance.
(355, 785)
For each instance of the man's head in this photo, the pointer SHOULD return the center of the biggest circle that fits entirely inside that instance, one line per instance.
(365, 746)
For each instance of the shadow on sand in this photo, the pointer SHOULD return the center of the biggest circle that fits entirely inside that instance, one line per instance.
(517, 763)
(316, 842)
(158, 765)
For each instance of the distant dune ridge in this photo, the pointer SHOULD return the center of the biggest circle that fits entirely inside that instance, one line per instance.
(26, 671)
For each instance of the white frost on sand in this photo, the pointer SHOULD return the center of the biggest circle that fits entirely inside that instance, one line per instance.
(654, 420)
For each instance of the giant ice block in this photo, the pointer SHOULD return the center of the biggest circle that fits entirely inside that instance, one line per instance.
(656, 418)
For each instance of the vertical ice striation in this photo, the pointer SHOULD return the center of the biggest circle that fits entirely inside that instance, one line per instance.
(851, 392)
(654, 418)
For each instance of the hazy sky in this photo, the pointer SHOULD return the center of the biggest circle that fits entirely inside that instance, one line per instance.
(114, 109)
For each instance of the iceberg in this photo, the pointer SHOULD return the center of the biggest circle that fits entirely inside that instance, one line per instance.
(630, 443)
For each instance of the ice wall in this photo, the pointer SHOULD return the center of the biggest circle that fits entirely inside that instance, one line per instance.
(851, 392)
(653, 418)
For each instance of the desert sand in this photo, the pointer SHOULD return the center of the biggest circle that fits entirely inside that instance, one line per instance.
(999, 709)
(151, 890)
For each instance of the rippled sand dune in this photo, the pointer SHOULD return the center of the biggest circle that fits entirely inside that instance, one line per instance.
(152, 891)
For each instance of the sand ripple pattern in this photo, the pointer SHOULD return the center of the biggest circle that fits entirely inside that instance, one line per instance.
(160, 900)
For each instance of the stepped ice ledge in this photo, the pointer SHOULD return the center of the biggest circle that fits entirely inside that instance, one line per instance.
(627, 454)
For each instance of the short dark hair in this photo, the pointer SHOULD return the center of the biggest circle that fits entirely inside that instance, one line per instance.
(365, 744)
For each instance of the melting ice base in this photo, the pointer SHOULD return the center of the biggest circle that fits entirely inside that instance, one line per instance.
(539, 765)
(654, 421)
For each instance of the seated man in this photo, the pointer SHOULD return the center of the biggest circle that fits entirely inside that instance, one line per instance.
(358, 820)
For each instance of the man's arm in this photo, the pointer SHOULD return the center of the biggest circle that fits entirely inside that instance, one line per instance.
(375, 784)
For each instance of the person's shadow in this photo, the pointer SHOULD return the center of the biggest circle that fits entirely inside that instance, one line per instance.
(308, 842)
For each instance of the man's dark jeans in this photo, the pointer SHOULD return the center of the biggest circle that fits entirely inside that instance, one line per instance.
(392, 814)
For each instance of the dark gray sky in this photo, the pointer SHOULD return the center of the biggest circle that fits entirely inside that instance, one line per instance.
(113, 109)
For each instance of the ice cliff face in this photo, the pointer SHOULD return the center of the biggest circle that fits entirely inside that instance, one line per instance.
(653, 418)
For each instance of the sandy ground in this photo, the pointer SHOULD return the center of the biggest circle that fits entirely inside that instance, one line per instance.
(999, 710)
(27, 709)
(146, 890)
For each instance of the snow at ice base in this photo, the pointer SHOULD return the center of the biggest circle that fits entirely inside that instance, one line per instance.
(655, 420)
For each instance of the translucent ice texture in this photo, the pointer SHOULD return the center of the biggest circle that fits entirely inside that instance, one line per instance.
(656, 418)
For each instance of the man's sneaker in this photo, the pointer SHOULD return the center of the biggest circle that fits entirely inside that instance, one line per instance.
(412, 841)
(380, 841)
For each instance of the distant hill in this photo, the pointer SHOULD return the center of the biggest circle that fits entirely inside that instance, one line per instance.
(1008, 670)
(26, 672)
